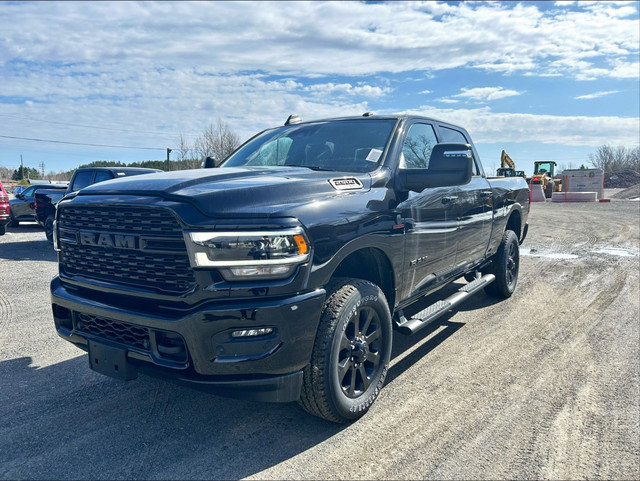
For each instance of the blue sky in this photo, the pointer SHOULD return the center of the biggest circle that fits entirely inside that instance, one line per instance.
(542, 80)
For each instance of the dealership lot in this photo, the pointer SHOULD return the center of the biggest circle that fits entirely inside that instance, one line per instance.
(543, 385)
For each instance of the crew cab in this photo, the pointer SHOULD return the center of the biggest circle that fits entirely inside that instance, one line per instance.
(283, 274)
(46, 199)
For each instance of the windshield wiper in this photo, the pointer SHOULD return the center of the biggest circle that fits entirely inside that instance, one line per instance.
(312, 167)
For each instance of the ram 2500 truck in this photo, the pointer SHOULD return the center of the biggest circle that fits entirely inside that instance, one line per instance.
(45, 200)
(283, 274)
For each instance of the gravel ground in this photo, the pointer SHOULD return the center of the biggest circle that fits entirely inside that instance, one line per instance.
(543, 385)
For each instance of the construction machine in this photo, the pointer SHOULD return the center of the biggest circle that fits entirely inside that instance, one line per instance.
(507, 166)
(544, 172)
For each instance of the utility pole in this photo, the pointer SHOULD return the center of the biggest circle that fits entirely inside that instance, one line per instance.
(168, 164)
(42, 168)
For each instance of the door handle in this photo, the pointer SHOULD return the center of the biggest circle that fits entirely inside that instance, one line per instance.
(449, 199)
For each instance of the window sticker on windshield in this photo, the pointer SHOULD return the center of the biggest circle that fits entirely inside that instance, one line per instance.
(374, 155)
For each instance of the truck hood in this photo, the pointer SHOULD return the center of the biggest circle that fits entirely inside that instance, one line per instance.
(246, 191)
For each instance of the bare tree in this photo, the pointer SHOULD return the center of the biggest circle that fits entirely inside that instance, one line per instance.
(217, 142)
(186, 155)
(616, 159)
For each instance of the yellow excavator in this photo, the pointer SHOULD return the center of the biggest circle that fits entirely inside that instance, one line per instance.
(508, 167)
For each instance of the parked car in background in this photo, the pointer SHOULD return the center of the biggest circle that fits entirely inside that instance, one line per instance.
(23, 208)
(18, 189)
(46, 199)
(5, 210)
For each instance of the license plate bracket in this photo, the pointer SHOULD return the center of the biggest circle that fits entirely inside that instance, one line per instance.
(111, 361)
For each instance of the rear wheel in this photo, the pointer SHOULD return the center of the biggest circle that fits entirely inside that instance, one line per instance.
(48, 228)
(505, 266)
(351, 352)
(3, 229)
(548, 193)
(14, 222)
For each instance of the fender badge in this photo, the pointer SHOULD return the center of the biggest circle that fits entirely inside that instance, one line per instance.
(346, 183)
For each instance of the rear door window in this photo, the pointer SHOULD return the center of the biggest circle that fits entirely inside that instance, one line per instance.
(82, 180)
(102, 176)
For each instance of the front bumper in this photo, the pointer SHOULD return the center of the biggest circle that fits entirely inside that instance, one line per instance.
(198, 347)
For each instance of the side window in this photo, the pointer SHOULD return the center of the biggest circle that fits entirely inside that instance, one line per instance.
(456, 137)
(452, 136)
(82, 180)
(416, 150)
(28, 193)
(102, 176)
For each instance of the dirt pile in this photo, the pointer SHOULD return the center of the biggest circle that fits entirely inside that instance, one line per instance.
(629, 193)
(621, 180)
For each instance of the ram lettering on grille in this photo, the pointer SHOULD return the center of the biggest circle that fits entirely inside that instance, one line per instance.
(118, 241)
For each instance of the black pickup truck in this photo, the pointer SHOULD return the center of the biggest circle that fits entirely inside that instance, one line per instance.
(46, 199)
(282, 275)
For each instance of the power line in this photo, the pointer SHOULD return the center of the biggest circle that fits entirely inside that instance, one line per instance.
(89, 126)
(81, 143)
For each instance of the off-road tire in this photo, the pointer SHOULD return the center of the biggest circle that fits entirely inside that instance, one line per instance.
(505, 266)
(548, 192)
(48, 228)
(351, 352)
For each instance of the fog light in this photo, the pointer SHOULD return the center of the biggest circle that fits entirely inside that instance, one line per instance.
(263, 331)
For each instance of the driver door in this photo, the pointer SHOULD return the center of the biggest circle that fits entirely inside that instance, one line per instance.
(430, 218)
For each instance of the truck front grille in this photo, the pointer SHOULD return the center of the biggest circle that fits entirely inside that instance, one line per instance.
(154, 257)
(120, 332)
(165, 345)
(120, 219)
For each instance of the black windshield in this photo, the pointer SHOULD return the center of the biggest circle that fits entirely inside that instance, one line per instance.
(344, 145)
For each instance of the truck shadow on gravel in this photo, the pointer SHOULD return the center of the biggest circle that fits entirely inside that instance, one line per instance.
(40, 250)
(434, 334)
(109, 429)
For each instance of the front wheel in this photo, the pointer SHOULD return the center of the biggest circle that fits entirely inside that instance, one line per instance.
(351, 352)
(3, 229)
(505, 266)
(48, 228)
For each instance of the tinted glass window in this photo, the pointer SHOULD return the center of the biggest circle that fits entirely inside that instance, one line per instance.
(456, 137)
(28, 193)
(351, 145)
(102, 176)
(82, 180)
(452, 136)
(416, 150)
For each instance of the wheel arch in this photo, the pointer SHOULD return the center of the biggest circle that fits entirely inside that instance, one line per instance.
(370, 264)
(515, 223)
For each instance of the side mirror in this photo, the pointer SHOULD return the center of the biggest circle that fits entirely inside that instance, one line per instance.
(209, 163)
(449, 165)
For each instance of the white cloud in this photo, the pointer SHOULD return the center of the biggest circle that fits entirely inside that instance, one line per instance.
(596, 95)
(486, 93)
(425, 92)
(324, 38)
(486, 126)
(348, 89)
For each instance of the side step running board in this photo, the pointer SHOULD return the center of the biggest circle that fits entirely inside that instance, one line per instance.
(434, 311)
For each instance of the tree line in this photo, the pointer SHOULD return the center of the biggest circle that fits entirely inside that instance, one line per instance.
(216, 141)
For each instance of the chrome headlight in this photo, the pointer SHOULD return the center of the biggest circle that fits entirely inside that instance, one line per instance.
(249, 255)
